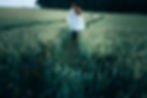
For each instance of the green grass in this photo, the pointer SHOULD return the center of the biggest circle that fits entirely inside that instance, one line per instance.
(38, 59)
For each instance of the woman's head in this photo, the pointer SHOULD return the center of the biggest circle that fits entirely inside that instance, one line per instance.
(75, 3)
(76, 7)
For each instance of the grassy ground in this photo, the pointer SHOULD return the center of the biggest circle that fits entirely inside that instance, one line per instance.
(39, 60)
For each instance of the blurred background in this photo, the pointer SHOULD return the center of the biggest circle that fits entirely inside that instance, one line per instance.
(39, 60)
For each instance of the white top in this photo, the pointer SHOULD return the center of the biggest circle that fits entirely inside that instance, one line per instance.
(76, 22)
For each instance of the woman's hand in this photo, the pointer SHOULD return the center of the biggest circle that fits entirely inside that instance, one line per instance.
(78, 10)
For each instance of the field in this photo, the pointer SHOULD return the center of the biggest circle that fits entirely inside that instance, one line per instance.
(39, 60)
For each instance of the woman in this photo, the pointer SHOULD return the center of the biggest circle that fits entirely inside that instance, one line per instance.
(75, 20)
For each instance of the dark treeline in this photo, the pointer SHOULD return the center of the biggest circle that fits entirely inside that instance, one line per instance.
(100, 5)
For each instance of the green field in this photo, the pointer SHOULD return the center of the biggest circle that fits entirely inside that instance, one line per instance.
(39, 60)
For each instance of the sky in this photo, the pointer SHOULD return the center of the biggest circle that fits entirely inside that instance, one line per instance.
(18, 3)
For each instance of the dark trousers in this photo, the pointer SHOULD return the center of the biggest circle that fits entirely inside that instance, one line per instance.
(74, 35)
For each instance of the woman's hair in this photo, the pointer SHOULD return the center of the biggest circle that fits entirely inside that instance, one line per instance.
(76, 2)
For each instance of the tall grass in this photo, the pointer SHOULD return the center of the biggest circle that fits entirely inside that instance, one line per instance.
(39, 60)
